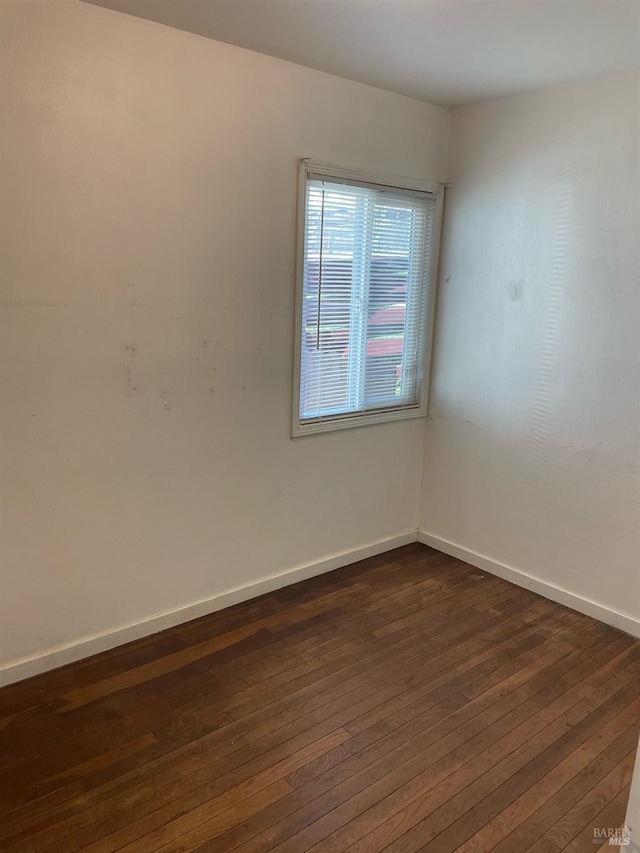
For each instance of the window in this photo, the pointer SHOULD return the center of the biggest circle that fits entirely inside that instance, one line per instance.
(366, 267)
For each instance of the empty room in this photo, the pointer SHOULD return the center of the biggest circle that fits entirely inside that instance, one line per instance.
(319, 426)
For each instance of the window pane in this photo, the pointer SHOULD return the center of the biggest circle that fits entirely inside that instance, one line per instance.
(390, 265)
(328, 267)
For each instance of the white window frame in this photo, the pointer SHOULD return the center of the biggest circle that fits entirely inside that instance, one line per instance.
(309, 170)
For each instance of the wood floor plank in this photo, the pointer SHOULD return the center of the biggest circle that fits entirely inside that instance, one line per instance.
(405, 770)
(584, 813)
(355, 709)
(204, 824)
(78, 832)
(461, 806)
(409, 796)
(408, 702)
(374, 763)
(610, 818)
(551, 783)
(546, 815)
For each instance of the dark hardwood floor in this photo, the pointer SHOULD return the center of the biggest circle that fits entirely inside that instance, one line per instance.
(406, 703)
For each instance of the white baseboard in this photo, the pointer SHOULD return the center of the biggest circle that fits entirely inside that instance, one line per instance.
(87, 646)
(623, 621)
(91, 645)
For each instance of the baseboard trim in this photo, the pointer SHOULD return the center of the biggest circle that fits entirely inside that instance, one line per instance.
(91, 645)
(96, 643)
(622, 621)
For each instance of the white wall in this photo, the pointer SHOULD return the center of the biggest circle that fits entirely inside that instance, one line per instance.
(148, 180)
(531, 454)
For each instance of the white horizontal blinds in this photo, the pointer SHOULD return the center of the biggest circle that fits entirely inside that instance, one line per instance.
(394, 338)
(364, 295)
(330, 246)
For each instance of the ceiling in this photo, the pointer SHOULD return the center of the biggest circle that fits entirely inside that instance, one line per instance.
(448, 52)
